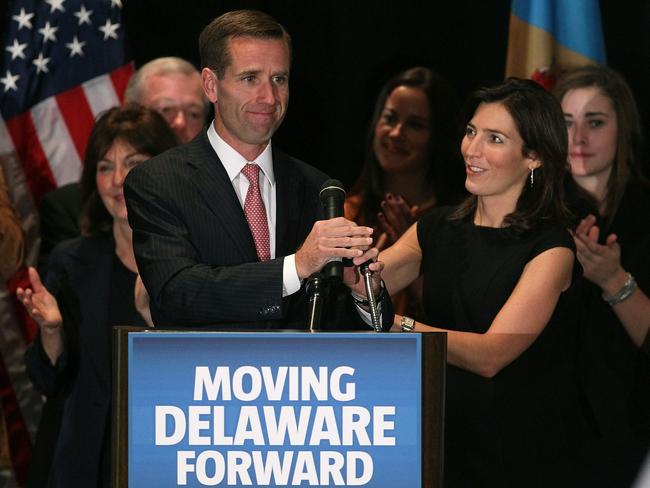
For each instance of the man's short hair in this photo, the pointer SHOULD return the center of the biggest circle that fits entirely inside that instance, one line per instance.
(160, 66)
(214, 39)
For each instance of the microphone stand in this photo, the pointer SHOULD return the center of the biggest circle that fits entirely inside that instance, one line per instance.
(316, 289)
(372, 302)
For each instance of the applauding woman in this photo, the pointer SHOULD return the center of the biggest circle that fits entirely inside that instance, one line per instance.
(497, 273)
(89, 289)
(411, 163)
(613, 246)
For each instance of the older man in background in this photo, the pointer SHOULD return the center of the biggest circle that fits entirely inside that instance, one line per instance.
(172, 87)
(169, 85)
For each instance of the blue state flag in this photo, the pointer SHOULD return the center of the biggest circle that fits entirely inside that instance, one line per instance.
(547, 37)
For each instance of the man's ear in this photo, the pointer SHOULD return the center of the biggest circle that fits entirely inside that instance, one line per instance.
(209, 84)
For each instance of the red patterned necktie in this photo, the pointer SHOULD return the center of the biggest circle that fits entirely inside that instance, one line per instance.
(256, 212)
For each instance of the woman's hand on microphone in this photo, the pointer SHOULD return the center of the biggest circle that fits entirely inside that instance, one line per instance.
(352, 274)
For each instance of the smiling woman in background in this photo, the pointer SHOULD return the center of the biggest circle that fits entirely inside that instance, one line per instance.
(411, 164)
(613, 247)
(90, 288)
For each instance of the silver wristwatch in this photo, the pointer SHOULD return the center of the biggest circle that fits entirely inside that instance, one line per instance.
(407, 324)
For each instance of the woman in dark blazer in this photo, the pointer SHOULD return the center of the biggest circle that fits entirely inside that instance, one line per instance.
(89, 289)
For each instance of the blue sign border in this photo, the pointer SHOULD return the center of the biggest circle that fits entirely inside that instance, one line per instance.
(158, 346)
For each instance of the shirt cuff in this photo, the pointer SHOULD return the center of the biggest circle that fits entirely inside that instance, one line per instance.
(366, 317)
(290, 278)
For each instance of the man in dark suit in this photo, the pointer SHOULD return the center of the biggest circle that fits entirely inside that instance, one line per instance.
(217, 244)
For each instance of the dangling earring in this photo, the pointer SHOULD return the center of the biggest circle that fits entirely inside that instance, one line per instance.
(532, 177)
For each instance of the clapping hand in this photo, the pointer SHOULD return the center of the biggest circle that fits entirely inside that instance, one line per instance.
(40, 303)
(601, 262)
(396, 217)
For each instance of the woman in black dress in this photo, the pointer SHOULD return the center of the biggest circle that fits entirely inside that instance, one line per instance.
(613, 247)
(498, 271)
(89, 288)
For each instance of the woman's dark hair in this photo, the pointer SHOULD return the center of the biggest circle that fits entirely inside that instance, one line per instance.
(445, 172)
(629, 147)
(143, 129)
(539, 120)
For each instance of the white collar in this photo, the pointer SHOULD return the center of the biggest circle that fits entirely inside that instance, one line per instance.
(234, 162)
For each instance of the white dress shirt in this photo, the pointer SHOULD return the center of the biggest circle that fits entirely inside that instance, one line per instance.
(233, 162)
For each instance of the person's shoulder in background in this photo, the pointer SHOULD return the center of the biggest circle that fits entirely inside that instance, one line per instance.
(59, 218)
(12, 239)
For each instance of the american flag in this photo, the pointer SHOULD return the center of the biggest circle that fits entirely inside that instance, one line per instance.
(63, 63)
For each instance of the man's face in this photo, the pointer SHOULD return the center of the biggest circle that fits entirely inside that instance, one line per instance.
(251, 99)
(179, 98)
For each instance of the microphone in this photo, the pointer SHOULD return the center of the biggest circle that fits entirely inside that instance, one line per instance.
(316, 290)
(332, 196)
(372, 301)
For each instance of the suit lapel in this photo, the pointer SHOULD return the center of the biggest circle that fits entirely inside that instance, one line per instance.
(289, 198)
(216, 189)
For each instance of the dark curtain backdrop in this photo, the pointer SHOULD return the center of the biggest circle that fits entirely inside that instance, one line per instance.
(345, 50)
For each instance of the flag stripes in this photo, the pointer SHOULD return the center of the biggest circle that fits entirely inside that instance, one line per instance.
(28, 149)
(51, 138)
(63, 63)
(77, 117)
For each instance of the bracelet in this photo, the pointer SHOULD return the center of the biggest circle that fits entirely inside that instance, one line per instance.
(407, 324)
(624, 293)
(359, 300)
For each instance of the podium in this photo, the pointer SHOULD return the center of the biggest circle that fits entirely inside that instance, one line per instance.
(195, 408)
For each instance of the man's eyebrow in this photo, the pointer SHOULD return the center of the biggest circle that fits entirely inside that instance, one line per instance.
(248, 72)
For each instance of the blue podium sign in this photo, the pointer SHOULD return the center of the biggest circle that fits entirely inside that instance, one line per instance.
(274, 409)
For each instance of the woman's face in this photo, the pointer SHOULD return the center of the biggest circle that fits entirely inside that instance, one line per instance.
(492, 150)
(111, 171)
(403, 131)
(593, 130)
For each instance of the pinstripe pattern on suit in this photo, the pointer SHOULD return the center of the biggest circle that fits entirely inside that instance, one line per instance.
(193, 246)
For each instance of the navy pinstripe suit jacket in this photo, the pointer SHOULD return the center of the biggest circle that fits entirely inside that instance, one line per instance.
(196, 253)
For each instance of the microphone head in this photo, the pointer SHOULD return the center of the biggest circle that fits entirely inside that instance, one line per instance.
(332, 192)
(332, 198)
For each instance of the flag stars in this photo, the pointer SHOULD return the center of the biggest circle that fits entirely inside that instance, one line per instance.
(41, 64)
(9, 81)
(48, 32)
(17, 50)
(24, 19)
(76, 47)
(83, 15)
(109, 29)
(55, 5)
